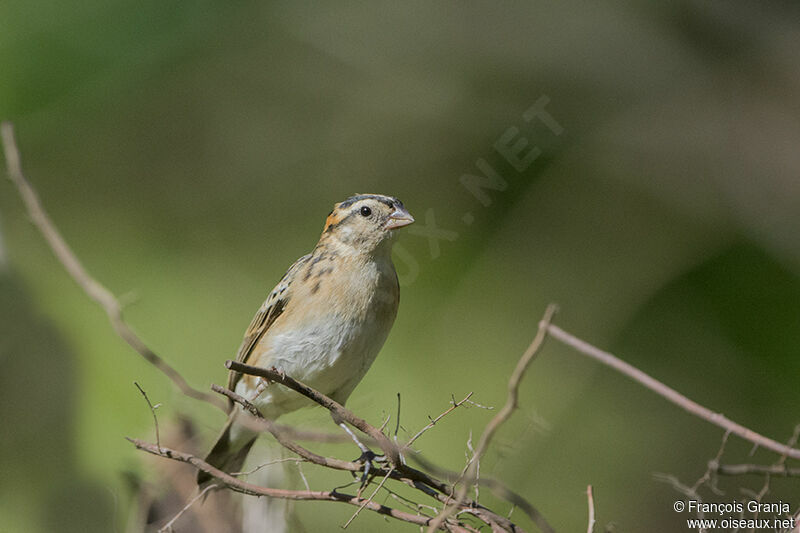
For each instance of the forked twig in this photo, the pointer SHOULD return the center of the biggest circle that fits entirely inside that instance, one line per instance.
(433, 421)
(152, 410)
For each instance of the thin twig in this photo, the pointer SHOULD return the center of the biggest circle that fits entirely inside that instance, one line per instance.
(411, 504)
(93, 288)
(368, 500)
(503, 415)
(708, 476)
(590, 501)
(397, 424)
(152, 410)
(477, 469)
(453, 406)
(480, 406)
(269, 463)
(168, 525)
(718, 419)
(385, 423)
(397, 429)
(302, 475)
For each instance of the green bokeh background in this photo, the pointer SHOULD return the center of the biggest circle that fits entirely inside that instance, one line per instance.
(190, 151)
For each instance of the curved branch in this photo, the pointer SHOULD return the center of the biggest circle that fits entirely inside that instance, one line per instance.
(471, 471)
(718, 419)
(93, 288)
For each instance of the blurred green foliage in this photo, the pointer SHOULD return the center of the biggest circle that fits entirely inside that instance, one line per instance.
(190, 151)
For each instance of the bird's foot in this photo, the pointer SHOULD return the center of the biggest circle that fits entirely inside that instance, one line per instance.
(261, 386)
(370, 460)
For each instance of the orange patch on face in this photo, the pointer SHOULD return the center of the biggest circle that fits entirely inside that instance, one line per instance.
(333, 218)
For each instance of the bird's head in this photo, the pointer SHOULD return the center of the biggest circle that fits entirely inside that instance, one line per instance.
(365, 221)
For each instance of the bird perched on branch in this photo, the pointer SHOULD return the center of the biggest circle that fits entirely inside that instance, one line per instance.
(324, 323)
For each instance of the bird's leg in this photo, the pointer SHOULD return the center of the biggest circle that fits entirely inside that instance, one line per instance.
(367, 455)
(361, 445)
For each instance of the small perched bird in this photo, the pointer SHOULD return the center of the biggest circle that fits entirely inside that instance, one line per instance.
(323, 323)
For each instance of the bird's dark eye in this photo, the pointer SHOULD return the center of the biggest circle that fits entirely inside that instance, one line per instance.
(366, 211)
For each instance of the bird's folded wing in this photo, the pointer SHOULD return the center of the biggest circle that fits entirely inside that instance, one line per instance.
(270, 310)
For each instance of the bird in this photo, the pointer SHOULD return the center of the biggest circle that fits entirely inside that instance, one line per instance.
(323, 324)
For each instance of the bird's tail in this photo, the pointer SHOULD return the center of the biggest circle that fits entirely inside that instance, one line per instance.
(230, 450)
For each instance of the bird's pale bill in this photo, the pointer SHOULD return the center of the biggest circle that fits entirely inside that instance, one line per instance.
(400, 217)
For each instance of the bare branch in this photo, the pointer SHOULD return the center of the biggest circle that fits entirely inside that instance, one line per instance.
(254, 490)
(410, 476)
(113, 308)
(718, 419)
(94, 289)
(404, 473)
(513, 383)
(590, 501)
(780, 470)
